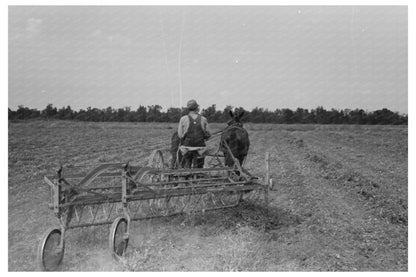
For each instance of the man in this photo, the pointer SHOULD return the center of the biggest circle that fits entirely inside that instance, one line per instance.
(192, 132)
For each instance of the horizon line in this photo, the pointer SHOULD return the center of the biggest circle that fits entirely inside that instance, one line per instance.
(218, 109)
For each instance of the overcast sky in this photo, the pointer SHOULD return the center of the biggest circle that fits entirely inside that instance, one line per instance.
(266, 56)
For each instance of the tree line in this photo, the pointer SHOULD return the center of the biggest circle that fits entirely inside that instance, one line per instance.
(154, 113)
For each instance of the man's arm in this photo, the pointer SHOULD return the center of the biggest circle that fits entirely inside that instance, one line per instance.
(204, 123)
(181, 127)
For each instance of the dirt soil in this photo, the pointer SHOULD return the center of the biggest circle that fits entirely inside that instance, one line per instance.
(339, 201)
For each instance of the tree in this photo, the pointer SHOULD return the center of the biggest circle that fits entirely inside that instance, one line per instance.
(288, 116)
(49, 111)
(320, 115)
(225, 116)
(334, 117)
(154, 113)
(141, 114)
(256, 115)
(109, 114)
(81, 115)
(65, 113)
(23, 113)
(173, 114)
(210, 113)
(358, 116)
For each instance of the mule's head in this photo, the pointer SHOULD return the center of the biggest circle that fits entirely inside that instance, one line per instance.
(235, 119)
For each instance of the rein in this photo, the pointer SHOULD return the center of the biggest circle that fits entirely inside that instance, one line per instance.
(239, 126)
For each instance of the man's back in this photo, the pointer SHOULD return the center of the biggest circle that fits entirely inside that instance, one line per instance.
(185, 121)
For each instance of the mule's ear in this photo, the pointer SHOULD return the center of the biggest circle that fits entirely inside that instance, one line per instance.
(231, 114)
(241, 114)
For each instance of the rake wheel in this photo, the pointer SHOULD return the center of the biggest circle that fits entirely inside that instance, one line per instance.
(156, 160)
(119, 237)
(51, 250)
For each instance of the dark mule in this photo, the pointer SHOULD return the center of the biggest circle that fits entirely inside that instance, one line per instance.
(236, 138)
(174, 146)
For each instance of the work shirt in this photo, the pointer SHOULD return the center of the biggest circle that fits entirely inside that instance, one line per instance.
(184, 124)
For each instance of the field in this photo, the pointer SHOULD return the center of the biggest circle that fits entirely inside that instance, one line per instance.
(339, 201)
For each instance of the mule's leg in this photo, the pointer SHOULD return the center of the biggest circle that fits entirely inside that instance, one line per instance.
(187, 160)
(173, 162)
(228, 159)
(199, 161)
(241, 160)
(182, 161)
(225, 158)
(179, 159)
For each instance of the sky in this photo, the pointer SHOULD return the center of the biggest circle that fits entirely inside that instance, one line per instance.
(249, 56)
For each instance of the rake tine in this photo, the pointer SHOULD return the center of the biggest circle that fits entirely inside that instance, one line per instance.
(76, 215)
(221, 200)
(111, 210)
(95, 214)
(151, 207)
(104, 211)
(197, 202)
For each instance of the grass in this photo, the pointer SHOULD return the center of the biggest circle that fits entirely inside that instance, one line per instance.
(339, 202)
(236, 239)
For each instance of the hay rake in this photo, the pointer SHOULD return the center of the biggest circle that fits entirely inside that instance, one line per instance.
(119, 193)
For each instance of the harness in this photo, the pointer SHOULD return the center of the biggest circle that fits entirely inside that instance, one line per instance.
(236, 125)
